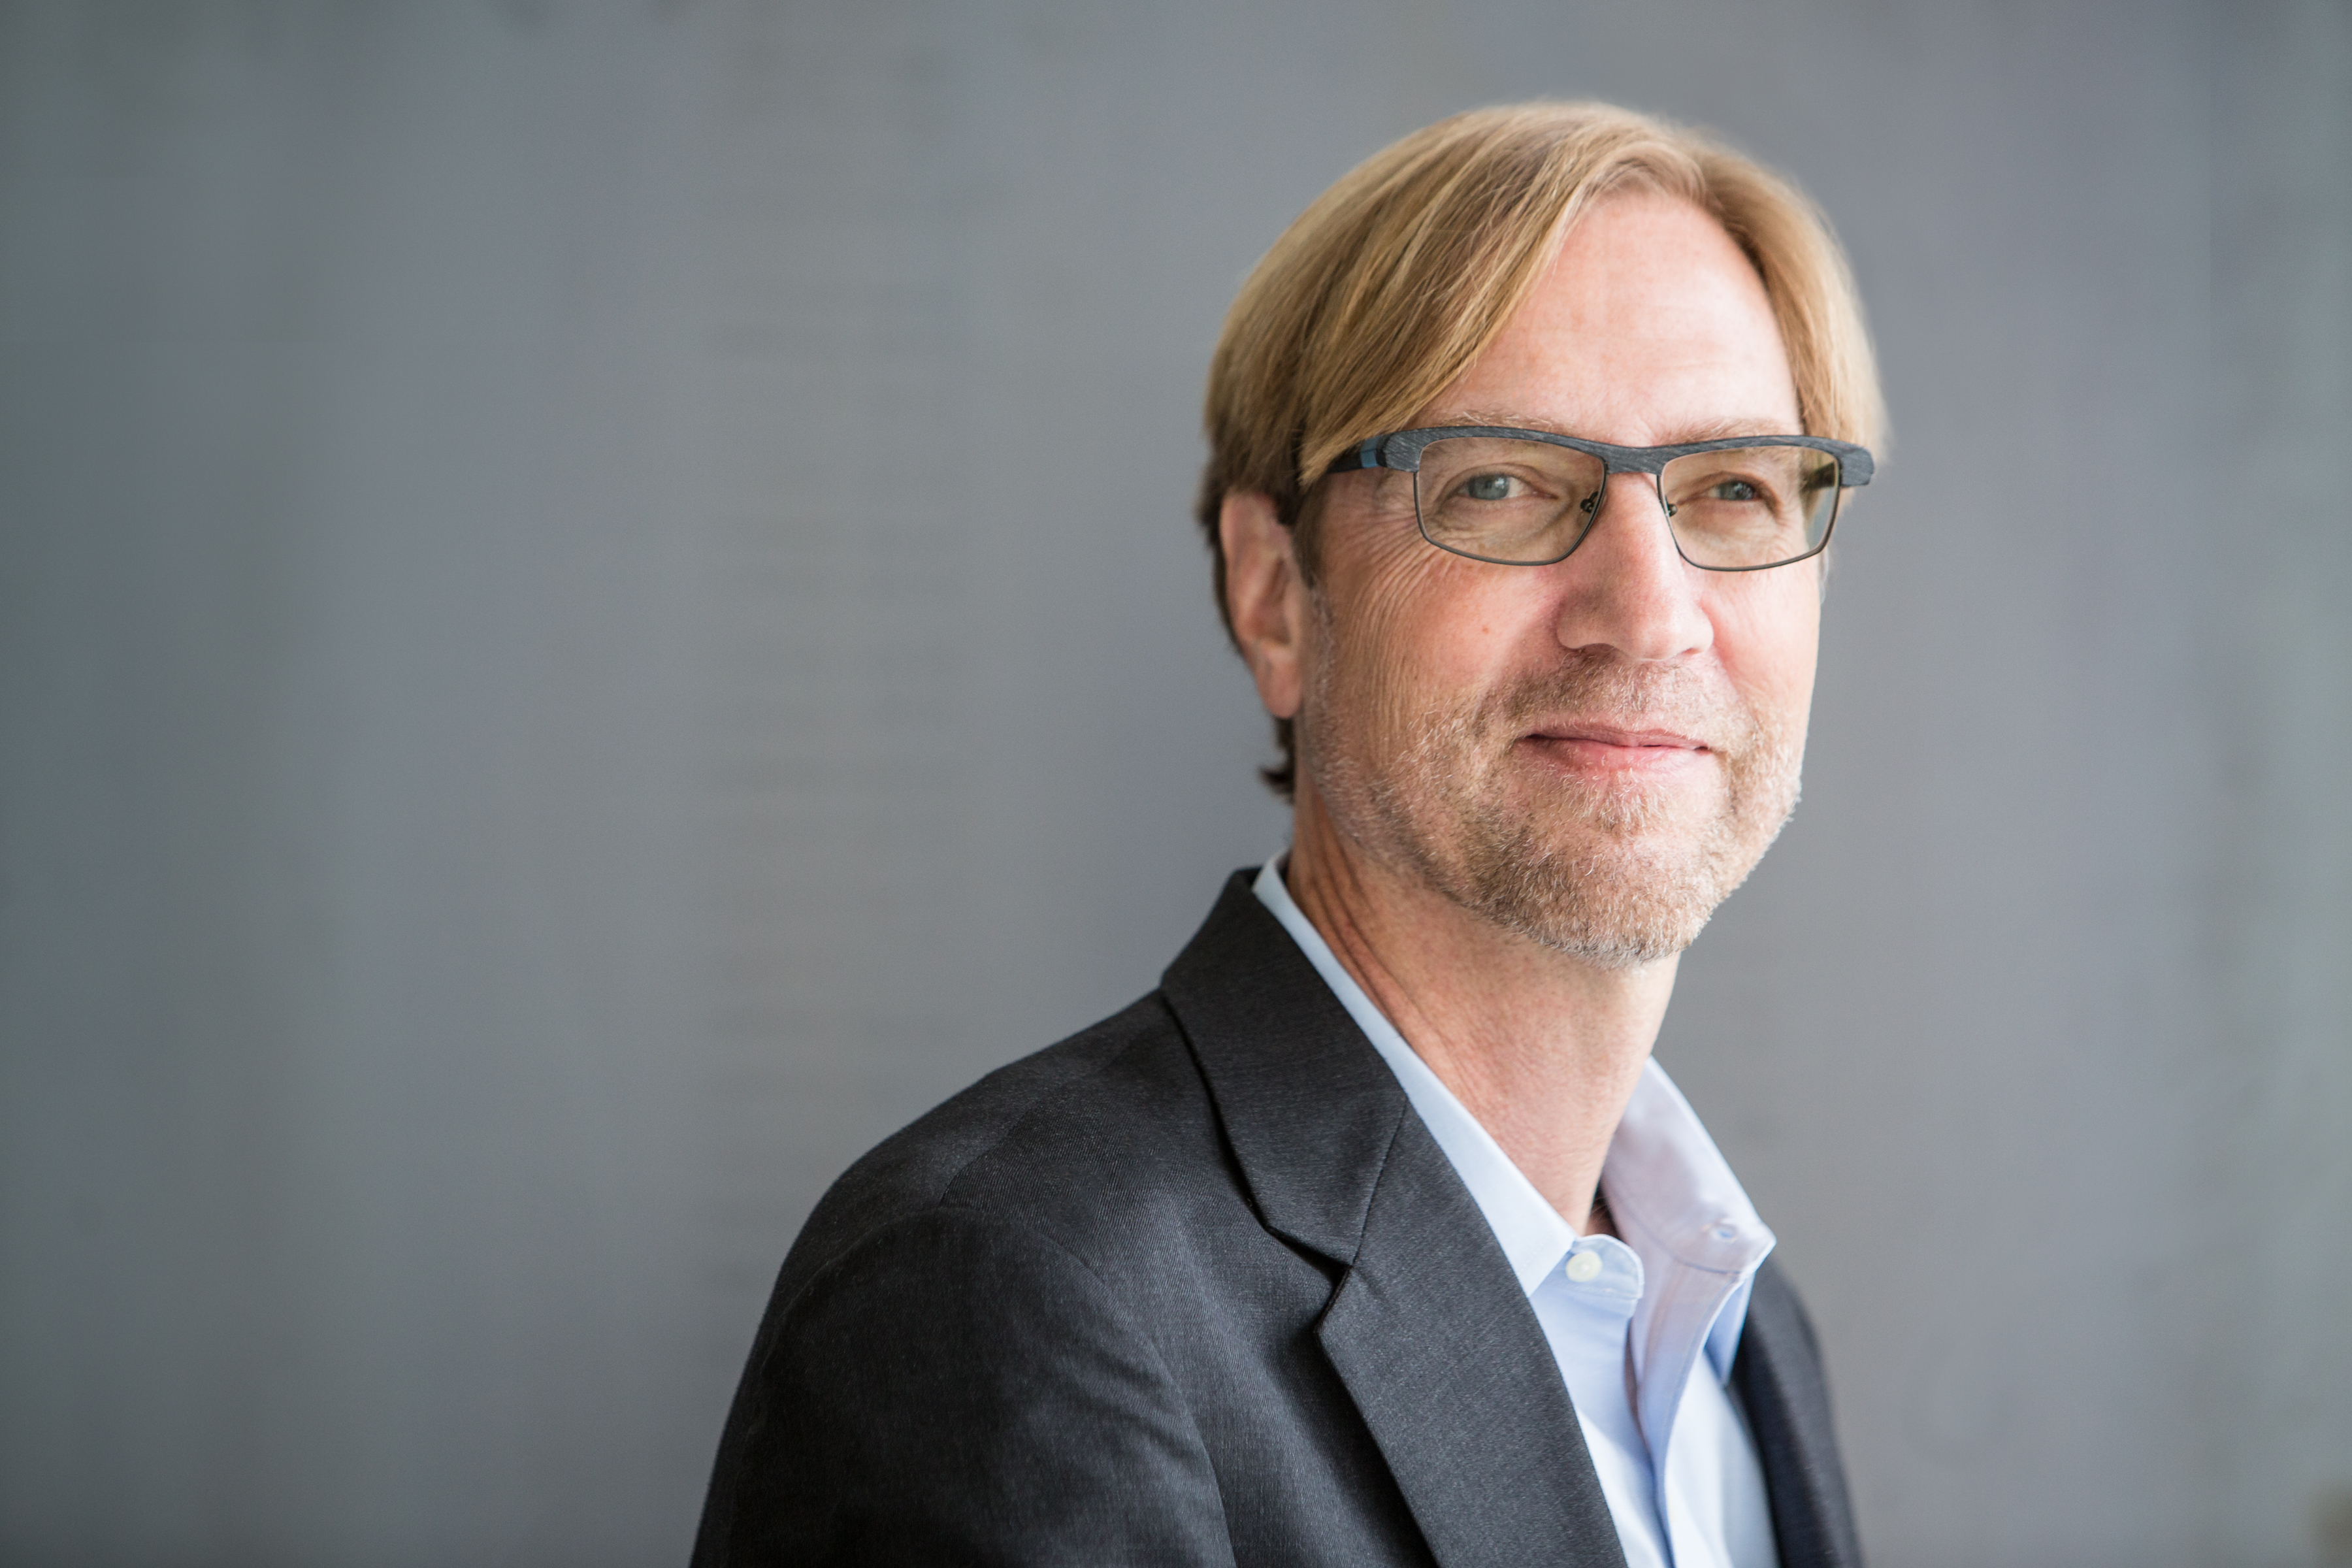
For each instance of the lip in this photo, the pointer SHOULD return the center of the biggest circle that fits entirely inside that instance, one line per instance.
(1587, 745)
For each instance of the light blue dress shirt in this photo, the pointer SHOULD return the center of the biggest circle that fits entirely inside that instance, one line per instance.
(1644, 1329)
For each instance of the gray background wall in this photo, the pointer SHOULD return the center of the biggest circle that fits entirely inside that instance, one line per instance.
(596, 608)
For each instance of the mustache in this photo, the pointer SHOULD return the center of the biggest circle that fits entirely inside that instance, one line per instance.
(1606, 686)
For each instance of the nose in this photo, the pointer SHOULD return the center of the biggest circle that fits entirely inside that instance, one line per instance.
(1626, 588)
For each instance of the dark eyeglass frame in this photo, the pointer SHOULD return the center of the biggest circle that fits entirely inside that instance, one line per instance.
(1401, 450)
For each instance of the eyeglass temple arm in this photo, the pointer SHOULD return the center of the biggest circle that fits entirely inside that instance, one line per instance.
(1367, 456)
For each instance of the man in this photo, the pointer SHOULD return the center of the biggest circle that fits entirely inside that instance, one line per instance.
(1373, 1236)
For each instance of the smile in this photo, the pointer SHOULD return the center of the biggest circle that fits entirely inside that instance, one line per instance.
(1604, 748)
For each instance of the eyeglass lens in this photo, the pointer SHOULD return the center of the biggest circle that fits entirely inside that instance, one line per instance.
(1529, 502)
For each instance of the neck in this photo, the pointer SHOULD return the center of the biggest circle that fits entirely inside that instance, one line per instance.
(1542, 1047)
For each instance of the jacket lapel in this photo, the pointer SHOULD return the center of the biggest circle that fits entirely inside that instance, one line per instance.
(1447, 1363)
(1428, 1329)
(1777, 1375)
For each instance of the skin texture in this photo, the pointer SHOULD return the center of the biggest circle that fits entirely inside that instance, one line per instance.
(1523, 789)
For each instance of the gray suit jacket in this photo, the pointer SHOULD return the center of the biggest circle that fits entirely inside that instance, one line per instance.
(1193, 1287)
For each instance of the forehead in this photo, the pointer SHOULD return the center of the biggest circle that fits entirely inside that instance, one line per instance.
(1649, 327)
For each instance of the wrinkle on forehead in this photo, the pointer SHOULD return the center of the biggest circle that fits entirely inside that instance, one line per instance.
(1649, 326)
(1702, 430)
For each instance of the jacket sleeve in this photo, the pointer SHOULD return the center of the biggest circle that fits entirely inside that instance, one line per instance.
(957, 1388)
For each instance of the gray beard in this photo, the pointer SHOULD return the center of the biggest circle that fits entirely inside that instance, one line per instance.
(1604, 874)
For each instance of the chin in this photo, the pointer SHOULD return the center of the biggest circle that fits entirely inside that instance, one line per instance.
(1612, 900)
(1617, 873)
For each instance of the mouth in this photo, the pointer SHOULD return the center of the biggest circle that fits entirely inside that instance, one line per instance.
(1584, 746)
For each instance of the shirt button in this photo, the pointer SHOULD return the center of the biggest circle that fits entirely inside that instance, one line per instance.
(1724, 1230)
(1583, 1266)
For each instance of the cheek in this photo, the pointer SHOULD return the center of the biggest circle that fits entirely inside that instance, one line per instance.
(1768, 635)
(1422, 628)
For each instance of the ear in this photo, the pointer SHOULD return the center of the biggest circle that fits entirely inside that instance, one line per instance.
(1265, 596)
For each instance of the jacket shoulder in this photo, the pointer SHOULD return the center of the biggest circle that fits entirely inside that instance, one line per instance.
(1043, 1141)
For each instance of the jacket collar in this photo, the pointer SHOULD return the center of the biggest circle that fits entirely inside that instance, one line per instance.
(1308, 1106)
(1428, 1329)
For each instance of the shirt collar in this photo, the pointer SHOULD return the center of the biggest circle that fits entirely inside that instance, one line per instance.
(1670, 1190)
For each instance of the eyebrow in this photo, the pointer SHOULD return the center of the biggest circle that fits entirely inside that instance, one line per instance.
(1707, 430)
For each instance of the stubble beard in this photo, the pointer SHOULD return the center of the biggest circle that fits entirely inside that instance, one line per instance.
(1615, 872)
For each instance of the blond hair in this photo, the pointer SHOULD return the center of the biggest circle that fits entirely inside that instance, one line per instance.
(1398, 276)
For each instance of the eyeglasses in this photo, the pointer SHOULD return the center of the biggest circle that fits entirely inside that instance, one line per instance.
(1527, 498)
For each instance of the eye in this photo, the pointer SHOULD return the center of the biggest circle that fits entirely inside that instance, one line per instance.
(1487, 486)
(1733, 489)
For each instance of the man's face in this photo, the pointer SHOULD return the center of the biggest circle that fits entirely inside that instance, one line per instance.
(1595, 753)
